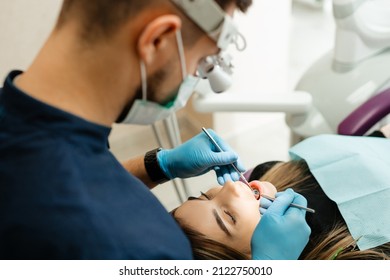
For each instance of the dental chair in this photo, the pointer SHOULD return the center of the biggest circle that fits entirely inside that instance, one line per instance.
(362, 119)
(346, 91)
(366, 116)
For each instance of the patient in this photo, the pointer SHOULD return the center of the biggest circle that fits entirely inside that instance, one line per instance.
(221, 221)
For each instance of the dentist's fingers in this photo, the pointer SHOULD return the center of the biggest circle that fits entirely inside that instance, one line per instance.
(282, 202)
(265, 203)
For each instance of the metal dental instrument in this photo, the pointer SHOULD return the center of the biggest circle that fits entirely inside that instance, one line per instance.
(292, 204)
(246, 181)
(220, 149)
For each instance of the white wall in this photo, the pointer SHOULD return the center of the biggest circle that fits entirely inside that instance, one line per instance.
(263, 67)
(24, 26)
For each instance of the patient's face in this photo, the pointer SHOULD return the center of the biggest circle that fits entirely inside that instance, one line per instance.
(227, 214)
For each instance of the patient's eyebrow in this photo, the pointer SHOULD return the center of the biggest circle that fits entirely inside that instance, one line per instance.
(220, 223)
(217, 217)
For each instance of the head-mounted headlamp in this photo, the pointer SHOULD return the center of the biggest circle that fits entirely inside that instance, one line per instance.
(219, 26)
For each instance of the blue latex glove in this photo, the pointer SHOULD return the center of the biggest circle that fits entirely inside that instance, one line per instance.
(197, 156)
(282, 233)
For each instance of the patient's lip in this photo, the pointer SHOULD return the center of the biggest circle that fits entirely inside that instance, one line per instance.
(256, 185)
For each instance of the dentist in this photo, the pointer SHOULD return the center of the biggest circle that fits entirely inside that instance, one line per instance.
(63, 195)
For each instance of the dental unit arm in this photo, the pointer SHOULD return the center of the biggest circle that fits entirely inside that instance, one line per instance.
(363, 30)
(206, 101)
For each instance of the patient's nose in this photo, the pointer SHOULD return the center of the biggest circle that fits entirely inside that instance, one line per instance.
(231, 188)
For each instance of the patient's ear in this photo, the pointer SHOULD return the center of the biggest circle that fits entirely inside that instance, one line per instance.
(172, 212)
(158, 40)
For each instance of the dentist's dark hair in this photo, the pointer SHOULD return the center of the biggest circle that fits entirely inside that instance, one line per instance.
(100, 18)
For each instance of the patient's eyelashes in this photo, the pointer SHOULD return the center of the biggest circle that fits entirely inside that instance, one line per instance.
(231, 216)
(198, 198)
(206, 196)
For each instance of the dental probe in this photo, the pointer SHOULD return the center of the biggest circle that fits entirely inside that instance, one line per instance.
(246, 181)
(292, 204)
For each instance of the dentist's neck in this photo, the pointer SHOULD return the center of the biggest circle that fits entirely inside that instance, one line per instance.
(92, 82)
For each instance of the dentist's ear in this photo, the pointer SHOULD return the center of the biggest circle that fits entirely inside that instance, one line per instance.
(156, 38)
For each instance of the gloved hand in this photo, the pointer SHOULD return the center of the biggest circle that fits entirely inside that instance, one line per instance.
(282, 232)
(197, 156)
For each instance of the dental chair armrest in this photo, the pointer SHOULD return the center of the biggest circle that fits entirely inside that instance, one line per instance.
(295, 103)
(366, 115)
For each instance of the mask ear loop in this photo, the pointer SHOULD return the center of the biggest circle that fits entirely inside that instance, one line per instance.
(180, 47)
(144, 80)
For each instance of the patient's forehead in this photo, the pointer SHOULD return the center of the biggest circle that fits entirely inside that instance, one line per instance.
(197, 214)
(192, 209)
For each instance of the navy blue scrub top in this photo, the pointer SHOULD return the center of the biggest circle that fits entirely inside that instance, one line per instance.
(63, 195)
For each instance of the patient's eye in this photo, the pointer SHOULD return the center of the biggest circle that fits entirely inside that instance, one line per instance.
(231, 216)
(199, 198)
